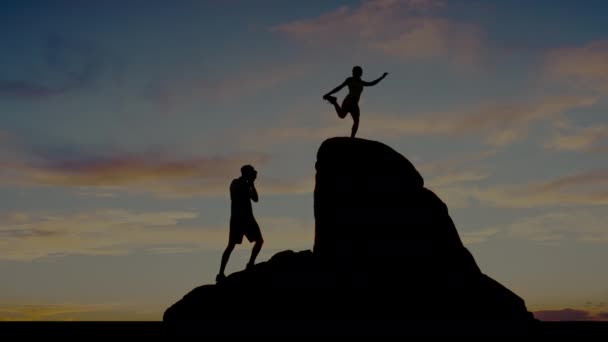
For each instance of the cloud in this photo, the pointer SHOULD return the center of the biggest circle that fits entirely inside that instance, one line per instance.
(103, 232)
(461, 188)
(34, 236)
(570, 138)
(586, 188)
(152, 172)
(469, 238)
(497, 124)
(73, 312)
(585, 66)
(593, 178)
(429, 37)
(404, 29)
(139, 173)
(550, 228)
(456, 177)
(180, 90)
(67, 66)
(453, 172)
(580, 226)
(569, 315)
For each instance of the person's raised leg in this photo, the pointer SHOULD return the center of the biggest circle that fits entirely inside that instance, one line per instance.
(225, 258)
(355, 114)
(339, 110)
(257, 247)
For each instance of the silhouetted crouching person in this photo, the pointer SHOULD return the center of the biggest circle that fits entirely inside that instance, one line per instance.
(350, 104)
(242, 222)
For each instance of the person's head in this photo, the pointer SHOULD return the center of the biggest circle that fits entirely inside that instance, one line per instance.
(357, 71)
(248, 172)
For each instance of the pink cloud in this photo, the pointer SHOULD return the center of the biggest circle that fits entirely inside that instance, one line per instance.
(404, 29)
(151, 173)
(430, 37)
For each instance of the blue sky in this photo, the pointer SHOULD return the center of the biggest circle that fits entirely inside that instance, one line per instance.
(124, 122)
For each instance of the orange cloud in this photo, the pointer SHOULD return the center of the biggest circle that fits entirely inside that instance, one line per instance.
(403, 29)
(74, 312)
(32, 236)
(147, 173)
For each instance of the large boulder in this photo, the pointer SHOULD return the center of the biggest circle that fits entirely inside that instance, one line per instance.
(385, 250)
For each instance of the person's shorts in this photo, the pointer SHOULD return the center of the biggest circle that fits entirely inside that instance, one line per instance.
(248, 228)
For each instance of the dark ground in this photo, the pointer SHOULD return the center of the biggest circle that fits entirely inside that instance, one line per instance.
(284, 329)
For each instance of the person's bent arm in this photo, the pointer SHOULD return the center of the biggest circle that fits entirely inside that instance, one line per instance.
(338, 88)
(254, 193)
(373, 83)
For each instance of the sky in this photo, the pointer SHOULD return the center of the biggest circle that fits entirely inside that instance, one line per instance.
(122, 124)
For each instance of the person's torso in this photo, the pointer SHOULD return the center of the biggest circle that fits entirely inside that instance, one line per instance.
(355, 87)
(240, 197)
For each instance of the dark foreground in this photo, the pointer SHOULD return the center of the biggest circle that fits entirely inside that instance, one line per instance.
(286, 329)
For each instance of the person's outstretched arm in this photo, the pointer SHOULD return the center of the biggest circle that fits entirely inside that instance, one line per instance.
(338, 88)
(373, 83)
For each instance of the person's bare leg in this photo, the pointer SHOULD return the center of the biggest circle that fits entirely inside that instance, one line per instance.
(355, 114)
(225, 258)
(257, 247)
(339, 110)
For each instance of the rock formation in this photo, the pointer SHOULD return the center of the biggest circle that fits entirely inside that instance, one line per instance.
(385, 250)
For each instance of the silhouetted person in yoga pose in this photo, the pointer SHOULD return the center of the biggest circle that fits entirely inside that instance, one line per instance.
(242, 222)
(350, 104)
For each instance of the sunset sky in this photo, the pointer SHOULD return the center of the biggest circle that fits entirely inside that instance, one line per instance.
(122, 124)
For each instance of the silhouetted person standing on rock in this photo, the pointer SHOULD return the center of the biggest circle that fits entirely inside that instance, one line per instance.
(350, 104)
(242, 222)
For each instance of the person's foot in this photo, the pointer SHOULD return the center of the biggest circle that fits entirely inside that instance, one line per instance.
(220, 278)
(330, 99)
